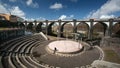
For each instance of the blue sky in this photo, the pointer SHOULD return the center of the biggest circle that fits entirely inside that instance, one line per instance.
(61, 9)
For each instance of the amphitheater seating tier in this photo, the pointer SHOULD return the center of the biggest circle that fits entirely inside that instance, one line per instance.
(16, 53)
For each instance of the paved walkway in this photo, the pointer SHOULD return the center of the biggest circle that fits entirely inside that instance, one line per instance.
(83, 59)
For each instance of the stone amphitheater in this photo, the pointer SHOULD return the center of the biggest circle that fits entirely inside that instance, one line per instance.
(30, 52)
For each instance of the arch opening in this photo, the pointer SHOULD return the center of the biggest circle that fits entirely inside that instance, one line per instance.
(67, 30)
(99, 30)
(82, 29)
(30, 27)
(116, 30)
(52, 29)
(39, 27)
(21, 25)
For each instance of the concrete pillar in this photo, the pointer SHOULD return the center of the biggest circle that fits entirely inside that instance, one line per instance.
(90, 31)
(74, 26)
(25, 25)
(59, 29)
(109, 29)
(46, 27)
(35, 23)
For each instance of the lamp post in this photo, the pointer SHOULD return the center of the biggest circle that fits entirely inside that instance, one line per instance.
(66, 35)
(79, 44)
(57, 35)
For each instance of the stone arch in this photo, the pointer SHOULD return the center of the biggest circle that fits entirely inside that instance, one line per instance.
(21, 25)
(55, 27)
(67, 29)
(25, 23)
(99, 29)
(39, 27)
(50, 28)
(43, 27)
(83, 28)
(30, 26)
(116, 29)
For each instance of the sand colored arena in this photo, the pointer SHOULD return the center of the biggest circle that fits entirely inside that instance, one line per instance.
(65, 46)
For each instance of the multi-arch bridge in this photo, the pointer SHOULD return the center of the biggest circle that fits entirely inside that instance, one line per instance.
(107, 25)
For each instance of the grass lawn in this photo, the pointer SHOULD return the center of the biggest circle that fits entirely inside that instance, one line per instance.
(111, 56)
(1, 29)
(4, 28)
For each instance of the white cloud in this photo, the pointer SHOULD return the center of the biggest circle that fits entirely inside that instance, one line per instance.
(14, 10)
(65, 17)
(107, 16)
(17, 11)
(71, 16)
(56, 6)
(3, 9)
(106, 10)
(30, 3)
(41, 18)
(12, 0)
(7, 9)
(33, 19)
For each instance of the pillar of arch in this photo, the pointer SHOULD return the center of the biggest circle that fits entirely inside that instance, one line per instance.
(46, 30)
(25, 23)
(59, 28)
(35, 23)
(90, 31)
(43, 27)
(74, 26)
(109, 28)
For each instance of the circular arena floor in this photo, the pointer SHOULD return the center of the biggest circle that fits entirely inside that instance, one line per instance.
(65, 46)
(43, 56)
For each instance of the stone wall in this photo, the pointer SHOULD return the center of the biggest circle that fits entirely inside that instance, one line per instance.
(10, 33)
